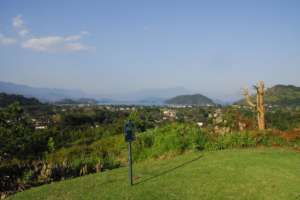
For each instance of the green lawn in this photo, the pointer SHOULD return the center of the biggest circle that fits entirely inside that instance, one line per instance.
(230, 174)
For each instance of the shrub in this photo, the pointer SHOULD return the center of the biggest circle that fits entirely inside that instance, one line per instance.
(200, 138)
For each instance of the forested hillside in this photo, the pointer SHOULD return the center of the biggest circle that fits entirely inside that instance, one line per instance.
(196, 99)
(281, 95)
(7, 99)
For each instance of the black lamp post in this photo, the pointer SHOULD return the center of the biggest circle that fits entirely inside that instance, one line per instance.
(129, 137)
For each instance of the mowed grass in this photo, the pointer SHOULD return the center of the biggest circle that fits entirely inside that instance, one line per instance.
(263, 173)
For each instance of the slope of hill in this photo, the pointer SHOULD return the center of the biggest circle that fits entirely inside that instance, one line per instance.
(7, 99)
(195, 99)
(282, 95)
(229, 174)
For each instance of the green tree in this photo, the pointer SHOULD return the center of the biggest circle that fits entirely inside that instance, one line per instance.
(136, 118)
(16, 133)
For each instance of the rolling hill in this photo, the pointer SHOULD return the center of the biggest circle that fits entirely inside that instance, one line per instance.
(7, 99)
(281, 95)
(195, 99)
(230, 174)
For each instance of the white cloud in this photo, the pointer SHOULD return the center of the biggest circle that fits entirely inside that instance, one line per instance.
(20, 26)
(73, 37)
(49, 43)
(69, 43)
(18, 22)
(7, 40)
(54, 44)
(76, 47)
(23, 32)
(76, 37)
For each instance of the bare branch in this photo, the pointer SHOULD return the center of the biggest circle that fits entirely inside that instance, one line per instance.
(247, 98)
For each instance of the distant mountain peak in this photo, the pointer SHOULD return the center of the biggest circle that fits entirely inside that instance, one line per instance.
(190, 99)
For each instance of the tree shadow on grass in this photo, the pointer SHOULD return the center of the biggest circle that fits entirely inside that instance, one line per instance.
(168, 170)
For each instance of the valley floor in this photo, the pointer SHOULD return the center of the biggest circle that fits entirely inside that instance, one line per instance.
(262, 173)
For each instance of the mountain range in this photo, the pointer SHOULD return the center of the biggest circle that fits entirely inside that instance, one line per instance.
(277, 95)
(43, 94)
(146, 96)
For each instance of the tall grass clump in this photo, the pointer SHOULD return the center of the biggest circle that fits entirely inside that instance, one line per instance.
(173, 137)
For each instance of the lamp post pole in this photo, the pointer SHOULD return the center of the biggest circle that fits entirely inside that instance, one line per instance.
(130, 164)
(129, 137)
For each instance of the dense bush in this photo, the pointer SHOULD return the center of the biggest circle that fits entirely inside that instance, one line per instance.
(283, 119)
(181, 137)
(171, 137)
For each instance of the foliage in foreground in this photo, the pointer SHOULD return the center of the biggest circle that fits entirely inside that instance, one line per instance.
(111, 152)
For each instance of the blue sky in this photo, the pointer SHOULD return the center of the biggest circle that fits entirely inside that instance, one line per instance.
(107, 47)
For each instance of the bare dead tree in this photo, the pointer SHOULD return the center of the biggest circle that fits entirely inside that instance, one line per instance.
(260, 104)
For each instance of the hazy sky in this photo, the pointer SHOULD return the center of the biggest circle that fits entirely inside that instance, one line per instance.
(212, 47)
